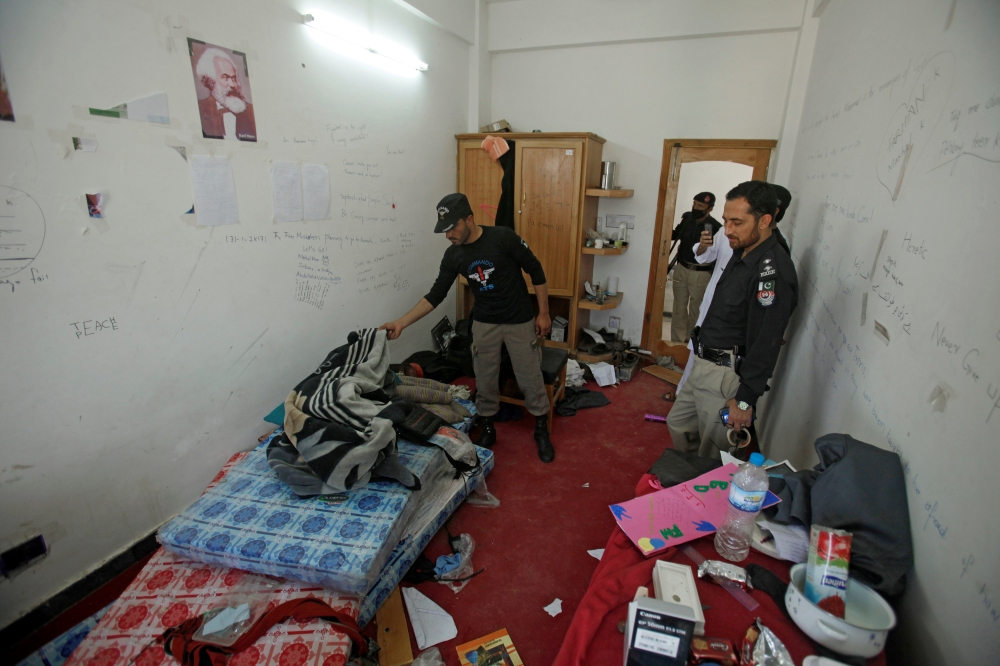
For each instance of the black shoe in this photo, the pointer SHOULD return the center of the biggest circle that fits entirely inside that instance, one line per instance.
(545, 451)
(487, 432)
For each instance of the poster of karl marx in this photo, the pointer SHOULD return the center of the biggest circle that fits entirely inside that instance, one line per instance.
(222, 84)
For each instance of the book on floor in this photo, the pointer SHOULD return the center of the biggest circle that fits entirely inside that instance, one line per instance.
(495, 649)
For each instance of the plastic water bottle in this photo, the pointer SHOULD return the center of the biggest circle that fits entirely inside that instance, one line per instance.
(746, 497)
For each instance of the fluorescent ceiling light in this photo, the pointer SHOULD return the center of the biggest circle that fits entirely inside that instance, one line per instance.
(355, 42)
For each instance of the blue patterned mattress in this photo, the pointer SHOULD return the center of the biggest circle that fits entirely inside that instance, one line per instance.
(252, 521)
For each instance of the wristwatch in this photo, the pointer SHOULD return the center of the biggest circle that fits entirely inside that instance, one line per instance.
(745, 406)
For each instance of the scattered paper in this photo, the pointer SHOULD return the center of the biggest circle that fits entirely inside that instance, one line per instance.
(214, 190)
(84, 145)
(153, 109)
(586, 485)
(286, 191)
(729, 458)
(227, 618)
(554, 608)
(431, 623)
(315, 192)
(792, 541)
(604, 373)
(597, 553)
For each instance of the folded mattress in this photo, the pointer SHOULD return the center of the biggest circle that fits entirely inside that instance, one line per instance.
(251, 521)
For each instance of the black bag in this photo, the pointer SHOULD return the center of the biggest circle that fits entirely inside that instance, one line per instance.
(419, 425)
(435, 366)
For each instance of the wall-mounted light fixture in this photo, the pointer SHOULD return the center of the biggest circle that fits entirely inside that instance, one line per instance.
(355, 42)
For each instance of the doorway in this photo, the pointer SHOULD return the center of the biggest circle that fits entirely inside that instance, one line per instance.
(689, 167)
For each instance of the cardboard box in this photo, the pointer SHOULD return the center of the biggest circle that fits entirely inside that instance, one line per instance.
(498, 126)
(658, 633)
(675, 583)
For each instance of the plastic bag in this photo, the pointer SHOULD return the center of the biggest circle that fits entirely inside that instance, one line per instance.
(429, 657)
(238, 610)
(466, 546)
(481, 496)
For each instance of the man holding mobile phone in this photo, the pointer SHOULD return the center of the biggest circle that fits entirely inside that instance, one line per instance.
(690, 277)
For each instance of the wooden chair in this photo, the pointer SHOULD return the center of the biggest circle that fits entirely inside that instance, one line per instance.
(554, 374)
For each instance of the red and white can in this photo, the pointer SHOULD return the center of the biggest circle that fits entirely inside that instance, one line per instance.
(827, 567)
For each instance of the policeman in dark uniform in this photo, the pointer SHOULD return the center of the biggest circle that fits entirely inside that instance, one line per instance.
(737, 345)
(690, 279)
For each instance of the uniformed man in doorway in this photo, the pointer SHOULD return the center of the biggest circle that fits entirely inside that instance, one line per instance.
(737, 345)
(492, 259)
(690, 277)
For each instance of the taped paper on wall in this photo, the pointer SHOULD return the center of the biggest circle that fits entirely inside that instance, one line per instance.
(214, 190)
(316, 192)
(286, 191)
(84, 145)
(153, 109)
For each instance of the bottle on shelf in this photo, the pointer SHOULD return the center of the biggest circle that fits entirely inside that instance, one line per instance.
(746, 497)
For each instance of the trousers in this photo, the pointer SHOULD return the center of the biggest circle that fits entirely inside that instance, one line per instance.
(694, 421)
(689, 288)
(525, 355)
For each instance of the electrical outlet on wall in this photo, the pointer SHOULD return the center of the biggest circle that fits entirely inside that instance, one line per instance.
(614, 322)
(615, 220)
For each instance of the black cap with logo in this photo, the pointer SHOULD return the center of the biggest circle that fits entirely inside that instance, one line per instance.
(706, 198)
(450, 210)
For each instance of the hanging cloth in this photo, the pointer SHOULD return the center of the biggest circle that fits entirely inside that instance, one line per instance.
(505, 207)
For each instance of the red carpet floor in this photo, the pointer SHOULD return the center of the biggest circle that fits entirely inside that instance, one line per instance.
(534, 546)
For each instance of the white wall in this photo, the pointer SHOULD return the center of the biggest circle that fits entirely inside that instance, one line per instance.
(885, 76)
(533, 24)
(108, 435)
(635, 95)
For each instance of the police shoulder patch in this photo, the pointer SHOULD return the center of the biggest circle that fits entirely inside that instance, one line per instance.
(765, 293)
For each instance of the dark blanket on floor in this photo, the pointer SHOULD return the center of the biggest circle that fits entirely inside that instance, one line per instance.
(577, 398)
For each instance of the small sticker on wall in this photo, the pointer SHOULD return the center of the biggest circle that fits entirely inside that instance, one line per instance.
(569, 152)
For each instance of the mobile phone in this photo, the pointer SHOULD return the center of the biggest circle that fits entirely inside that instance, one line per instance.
(708, 227)
(724, 415)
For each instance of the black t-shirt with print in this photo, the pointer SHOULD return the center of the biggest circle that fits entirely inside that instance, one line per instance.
(492, 265)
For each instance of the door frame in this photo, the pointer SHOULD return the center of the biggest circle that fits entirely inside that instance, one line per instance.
(675, 153)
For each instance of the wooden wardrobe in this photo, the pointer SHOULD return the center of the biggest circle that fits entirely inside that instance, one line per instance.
(552, 210)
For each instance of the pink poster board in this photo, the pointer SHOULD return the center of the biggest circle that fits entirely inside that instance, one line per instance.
(675, 515)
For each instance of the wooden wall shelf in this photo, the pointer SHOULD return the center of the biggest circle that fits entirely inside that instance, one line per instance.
(610, 302)
(604, 251)
(614, 194)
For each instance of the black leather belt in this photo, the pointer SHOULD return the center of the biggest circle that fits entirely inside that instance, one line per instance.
(697, 267)
(717, 356)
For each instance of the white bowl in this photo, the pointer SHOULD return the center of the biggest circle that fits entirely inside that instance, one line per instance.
(861, 633)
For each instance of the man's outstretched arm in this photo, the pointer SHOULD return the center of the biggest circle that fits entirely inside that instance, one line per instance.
(419, 311)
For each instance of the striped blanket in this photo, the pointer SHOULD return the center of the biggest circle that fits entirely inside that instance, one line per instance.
(339, 423)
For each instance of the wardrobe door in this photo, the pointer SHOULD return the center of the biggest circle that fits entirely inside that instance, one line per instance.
(547, 193)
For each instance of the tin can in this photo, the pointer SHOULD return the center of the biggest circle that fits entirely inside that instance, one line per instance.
(827, 567)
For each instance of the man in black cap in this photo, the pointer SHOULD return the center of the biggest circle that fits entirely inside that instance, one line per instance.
(784, 201)
(690, 277)
(736, 347)
(492, 258)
